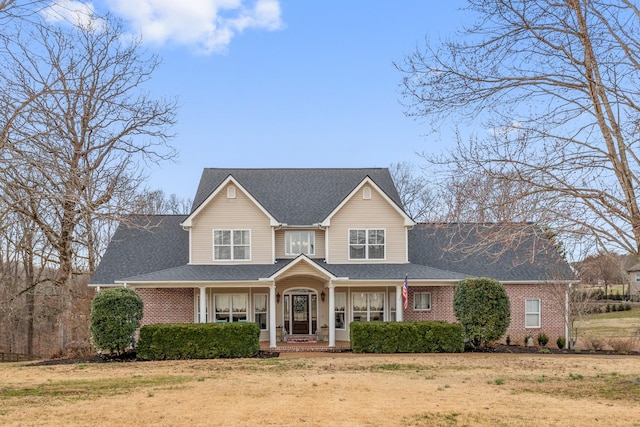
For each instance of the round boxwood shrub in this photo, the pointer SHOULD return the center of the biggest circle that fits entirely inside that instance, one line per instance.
(482, 308)
(115, 316)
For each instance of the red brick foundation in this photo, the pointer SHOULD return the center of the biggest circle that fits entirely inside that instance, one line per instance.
(552, 309)
(167, 305)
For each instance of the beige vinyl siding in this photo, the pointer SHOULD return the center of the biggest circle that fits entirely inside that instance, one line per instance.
(280, 248)
(223, 213)
(374, 213)
(300, 269)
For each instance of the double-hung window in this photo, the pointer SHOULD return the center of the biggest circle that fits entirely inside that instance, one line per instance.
(422, 301)
(230, 245)
(341, 310)
(299, 242)
(366, 244)
(368, 306)
(260, 310)
(230, 308)
(532, 313)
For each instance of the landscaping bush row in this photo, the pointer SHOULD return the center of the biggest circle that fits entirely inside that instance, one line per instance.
(198, 341)
(406, 337)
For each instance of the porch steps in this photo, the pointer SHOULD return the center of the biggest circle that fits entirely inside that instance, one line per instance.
(293, 338)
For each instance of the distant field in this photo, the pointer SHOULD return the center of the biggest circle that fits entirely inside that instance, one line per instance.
(616, 324)
(476, 389)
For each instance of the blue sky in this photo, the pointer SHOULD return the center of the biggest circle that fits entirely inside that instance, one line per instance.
(289, 83)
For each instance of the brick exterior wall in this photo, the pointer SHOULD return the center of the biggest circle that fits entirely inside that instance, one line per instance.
(552, 309)
(167, 305)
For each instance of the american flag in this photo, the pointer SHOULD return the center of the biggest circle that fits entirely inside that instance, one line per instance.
(405, 292)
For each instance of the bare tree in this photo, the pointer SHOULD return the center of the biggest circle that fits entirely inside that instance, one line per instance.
(414, 191)
(554, 85)
(156, 202)
(602, 269)
(73, 153)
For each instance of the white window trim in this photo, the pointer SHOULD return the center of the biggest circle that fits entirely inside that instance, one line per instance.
(196, 306)
(231, 230)
(414, 301)
(346, 310)
(366, 244)
(266, 312)
(287, 244)
(368, 311)
(539, 313)
(231, 294)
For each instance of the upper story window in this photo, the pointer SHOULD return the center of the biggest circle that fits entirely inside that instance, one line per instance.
(299, 242)
(637, 278)
(229, 245)
(366, 244)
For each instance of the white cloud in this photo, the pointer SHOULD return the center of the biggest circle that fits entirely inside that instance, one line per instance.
(515, 126)
(72, 12)
(207, 25)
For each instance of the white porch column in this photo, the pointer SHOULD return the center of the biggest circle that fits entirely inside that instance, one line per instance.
(203, 305)
(272, 315)
(399, 303)
(332, 315)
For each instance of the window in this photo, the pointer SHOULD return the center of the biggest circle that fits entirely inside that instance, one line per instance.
(230, 308)
(421, 301)
(532, 313)
(197, 307)
(231, 245)
(341, 310)
(368, 306)
(392, 307)
(637, 278)
(231, 192)
(260, 311)
(366, 244)
(300, 242)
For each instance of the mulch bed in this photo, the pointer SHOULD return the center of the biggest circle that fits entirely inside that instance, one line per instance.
(498, 348)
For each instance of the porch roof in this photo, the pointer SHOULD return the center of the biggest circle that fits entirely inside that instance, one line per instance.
(251, 272)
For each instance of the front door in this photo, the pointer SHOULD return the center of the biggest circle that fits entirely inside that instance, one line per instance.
(301, 314)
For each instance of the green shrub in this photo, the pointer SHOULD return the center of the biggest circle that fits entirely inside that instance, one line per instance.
(198, 341)
(482, 307)
(561, 342)
(543, 339)
(115, 316)
(406, 337)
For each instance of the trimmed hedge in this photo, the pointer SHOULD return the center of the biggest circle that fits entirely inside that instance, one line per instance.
(198, 341)
(115, 316)
(482, 307)
(406, 337)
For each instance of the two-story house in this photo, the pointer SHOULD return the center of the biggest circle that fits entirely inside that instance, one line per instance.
(304, 248)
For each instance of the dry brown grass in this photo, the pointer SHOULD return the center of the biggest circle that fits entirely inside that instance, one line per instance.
(342, 390)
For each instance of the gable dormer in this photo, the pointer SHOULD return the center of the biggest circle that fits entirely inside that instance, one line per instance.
(230, 227)
(367, 227)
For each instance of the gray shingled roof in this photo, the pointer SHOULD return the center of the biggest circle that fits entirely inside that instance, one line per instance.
(526, 255)
(156, 248)
(207, 273)
(141, 245)
(389, 271)
(297, 196)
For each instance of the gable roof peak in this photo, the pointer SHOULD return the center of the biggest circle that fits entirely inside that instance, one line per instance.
(297, 196)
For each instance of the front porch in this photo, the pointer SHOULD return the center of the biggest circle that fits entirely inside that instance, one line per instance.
(305, 343)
